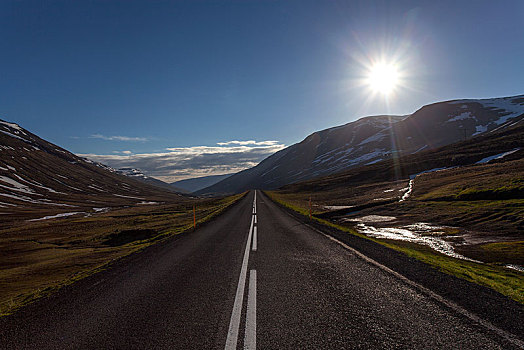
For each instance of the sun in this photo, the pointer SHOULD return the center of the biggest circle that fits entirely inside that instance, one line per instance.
(383, 78)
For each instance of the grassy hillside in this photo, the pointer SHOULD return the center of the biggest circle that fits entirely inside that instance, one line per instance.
(37, 258)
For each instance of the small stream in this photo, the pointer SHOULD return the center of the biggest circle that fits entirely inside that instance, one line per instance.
(421, 233)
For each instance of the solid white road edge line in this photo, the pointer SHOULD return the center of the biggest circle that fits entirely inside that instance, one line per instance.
(234, 323)
(250, 338)
(455, 307)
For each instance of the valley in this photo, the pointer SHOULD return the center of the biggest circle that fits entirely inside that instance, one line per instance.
(261, 175)
(456, 207)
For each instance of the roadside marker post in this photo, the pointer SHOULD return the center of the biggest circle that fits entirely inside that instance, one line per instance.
(194, 217)
(309, 207)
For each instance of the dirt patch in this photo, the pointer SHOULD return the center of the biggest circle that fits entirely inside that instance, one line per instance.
(128, 236)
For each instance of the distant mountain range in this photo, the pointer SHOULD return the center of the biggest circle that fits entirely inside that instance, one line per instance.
(140, 176)
(38, 179)
(186, 186)
(373, 139)
(198, 183)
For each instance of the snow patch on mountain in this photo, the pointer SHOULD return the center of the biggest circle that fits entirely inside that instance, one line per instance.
(131, 197)
(15, 185)
(479, 129)
(12, 135)
(420, 149)
(13, 126)
(377, 137)
(34, 201)
(61, 215)
(462, 116)
(497, 156)
(133, 172)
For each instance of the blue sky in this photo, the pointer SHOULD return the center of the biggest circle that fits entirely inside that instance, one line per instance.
(159, 84)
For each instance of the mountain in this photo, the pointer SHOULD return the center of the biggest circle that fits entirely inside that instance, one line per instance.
(320, 153)
(137, 174)
(198, 183)
(373, 139)
(475, 185)
(504, 145)
(38, 179)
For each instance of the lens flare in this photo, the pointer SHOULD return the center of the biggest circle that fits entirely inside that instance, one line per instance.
(383, 78)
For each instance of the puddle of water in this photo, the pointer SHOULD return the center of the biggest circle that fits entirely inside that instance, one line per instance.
(337, 207)
(420, 233)
(423, 227)
(515, 267)
(372, 218)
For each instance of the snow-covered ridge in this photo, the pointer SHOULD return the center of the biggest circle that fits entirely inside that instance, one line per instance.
(377, 121)
(491, 101)
(14, 130)
(12, 126)
(506, 107)
(132, 172)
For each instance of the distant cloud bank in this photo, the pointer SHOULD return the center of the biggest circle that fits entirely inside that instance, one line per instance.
(118, 138)
(179, 163)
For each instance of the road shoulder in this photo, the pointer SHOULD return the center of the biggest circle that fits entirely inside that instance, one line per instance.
(484, 302)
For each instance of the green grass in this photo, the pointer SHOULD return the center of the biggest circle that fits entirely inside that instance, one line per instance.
(511, 252)
(514, 248)
(485, 186)
(504, 281)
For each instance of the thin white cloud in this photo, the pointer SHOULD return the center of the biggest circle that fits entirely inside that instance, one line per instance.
(118, 138)
(250, 142)
(178, 163)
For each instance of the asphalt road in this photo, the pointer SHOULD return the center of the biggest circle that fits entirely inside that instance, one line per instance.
(255, 277)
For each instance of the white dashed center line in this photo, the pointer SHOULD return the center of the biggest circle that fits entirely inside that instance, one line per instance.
(251, 323)
(250, 338)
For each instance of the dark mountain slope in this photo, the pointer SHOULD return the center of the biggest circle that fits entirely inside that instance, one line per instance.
(38, 179)
(464, 153)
